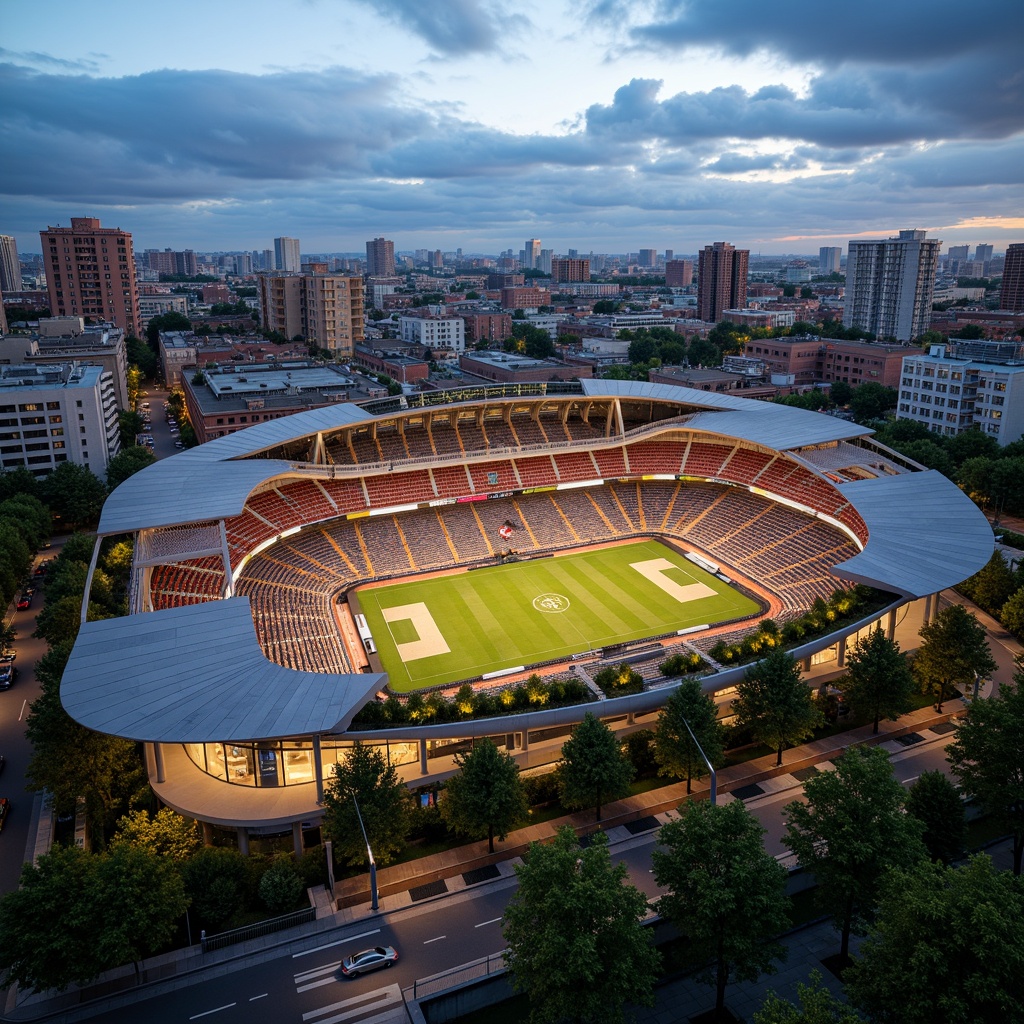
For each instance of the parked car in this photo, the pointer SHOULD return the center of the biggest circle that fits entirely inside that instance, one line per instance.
(5, 807)
(24, 602)
(179, 444)
(8, 671)
(368, 960)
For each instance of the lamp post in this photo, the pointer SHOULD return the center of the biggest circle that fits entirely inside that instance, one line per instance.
(369, 854)
(711, 767)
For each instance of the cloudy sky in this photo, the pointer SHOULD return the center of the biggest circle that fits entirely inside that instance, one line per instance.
(603, 125)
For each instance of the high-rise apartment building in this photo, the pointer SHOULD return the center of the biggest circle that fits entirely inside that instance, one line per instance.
(380, 257)
(531, 253)
(670, 254)
(323, 308)
(170, 262)
(957, 252)
(1012, 294)
(564, 271)
(721, 280)
(983, 253)
(647, 258)
(544, 260)
(286, 255)
(828, 259)
(10, 267)
(90, 272)
(890, 283)
(678, 273)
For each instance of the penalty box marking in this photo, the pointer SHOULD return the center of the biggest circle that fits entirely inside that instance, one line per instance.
(430, 641)
(654, 569)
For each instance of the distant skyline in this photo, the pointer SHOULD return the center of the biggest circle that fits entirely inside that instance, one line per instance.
(609, 125)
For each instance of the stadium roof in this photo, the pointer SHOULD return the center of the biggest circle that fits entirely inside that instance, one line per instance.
(197, 674)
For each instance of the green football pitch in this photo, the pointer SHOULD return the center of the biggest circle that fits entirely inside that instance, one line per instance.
(462, 625)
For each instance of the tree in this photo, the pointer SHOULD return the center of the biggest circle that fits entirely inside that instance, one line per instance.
(75, 495)
(165, 833)
(936, 803)
(851, 830)
(1012, 613)
(971, 444)
(987, 756)
(281, 885)
(948, 946)
(817, 1006)
(775, 703)
(29, 516)
(141, 355)
(576, 945)
(487, 797)
(991, 586)
(127, 463)
(878, 682)
(871, 401)
(841, 392)
(929, 454)
(726, 894)
(215, 880)
(166, 322)
(593, 767)
(676, 752)
(382, 800)
(954, 647)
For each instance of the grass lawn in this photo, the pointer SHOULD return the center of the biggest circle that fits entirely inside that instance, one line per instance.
(453, 627)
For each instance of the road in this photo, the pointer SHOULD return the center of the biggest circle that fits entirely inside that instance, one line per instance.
(305, 988)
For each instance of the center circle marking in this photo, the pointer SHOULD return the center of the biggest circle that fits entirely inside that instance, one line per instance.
(551, 603)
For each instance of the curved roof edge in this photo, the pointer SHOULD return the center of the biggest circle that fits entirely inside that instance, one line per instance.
(924, 534)
(198, 675)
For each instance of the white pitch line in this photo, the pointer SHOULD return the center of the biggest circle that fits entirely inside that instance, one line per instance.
(350, 938)
(493, 920)
(206, 1013)
(437, 938)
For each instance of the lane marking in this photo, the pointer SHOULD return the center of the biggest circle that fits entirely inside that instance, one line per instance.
(493, 920)
(370, 1001)
(262, 995)
(206, 1013)
(437, 938)
(22, 711)
(340, 942)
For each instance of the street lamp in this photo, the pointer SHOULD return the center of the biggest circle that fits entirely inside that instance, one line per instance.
(369, 854)
(707, 761)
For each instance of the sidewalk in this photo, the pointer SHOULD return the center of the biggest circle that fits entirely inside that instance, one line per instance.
(406, 887)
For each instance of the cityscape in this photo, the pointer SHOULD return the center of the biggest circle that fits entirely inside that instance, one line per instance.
(576, 571)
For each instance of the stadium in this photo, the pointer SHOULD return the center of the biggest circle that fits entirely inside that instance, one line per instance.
(292, 573)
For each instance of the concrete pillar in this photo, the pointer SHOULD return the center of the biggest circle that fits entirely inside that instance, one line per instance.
(526, 739)
(631, 718)
(890, 626)
(297, 838)
(207, 834)
(927, 609)
(318, 770)
(423, 757)
(150, 755)
(841, 653)
(243, 840)
(805, 664)
(158, 753)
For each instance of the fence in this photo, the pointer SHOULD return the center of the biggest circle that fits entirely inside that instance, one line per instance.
(475, 969)
(254, 931)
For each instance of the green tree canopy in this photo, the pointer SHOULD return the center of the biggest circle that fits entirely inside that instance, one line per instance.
(992, 585)
(775, 703)
(74, 494)
(948, 945)
(215, 881)
(725, 893)
(987, 756)
(816, 1006)
(127, 463)
(382, 798)
(871, 401)
(486, 798)
(141, 355)
(576, 945)
(878, 682)
(851, 830)
(954, 647)
(166, 322)
(936, 803)
(593, 769)
(674, 748)
(29, 515)
(1012, 613)
(165, 833)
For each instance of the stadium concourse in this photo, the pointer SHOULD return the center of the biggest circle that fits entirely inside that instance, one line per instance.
(244, 659)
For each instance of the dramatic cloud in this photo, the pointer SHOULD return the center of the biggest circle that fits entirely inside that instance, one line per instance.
(450, 27)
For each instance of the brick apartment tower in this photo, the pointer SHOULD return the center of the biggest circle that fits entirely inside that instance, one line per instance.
(90, 272)
(570, 271)
(380, 258)
(1012, 294)
(320, 307)
(10, 267)
(721, 280)
(678, 273)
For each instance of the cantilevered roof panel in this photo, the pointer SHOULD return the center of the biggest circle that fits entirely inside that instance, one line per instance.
(774, 426)
(924, 534)
(197, 675)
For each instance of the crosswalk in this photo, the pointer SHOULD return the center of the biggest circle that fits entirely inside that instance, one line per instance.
(381, 1006)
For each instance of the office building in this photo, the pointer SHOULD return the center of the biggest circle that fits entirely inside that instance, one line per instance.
(648, 258)
(890, 283)
(10, 267)
(61, 413)
(90, 272)
(983, 253)
(828, 259)
(957, 252)
(434, 332)
(1012, 294)
(721, 280)
(544, 261)
(678, 273)
(531, 253)
(670, 254)
(286, 255)
(569, 270)
(380, 257)
(323, 308)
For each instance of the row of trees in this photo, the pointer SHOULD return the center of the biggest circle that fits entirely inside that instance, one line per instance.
(999, 590)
